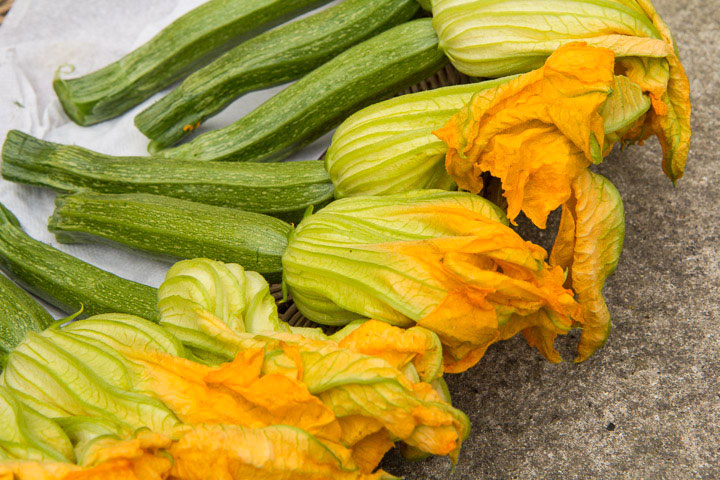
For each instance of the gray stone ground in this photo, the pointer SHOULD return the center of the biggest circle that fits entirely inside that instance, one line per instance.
(657, 379)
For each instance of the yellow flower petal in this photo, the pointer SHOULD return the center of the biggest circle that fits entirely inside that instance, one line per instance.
(109, 459)
(235, 394)
(398, 346)
(543, 339)
(37, 470)
(672, 123)
(271, 453)
(368, 452)
(357, 427)
(536, 133)
(588, 244)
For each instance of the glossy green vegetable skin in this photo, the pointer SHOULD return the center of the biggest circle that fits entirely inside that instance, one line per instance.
(168, 228)
(278, 56)
(65, 281)
(185, 45)
(283, 190)
(312, 106)
(19, 313)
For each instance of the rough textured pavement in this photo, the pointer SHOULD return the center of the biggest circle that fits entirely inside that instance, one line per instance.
(647, 406)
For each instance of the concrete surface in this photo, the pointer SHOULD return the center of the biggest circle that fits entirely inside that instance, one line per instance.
(647, 406)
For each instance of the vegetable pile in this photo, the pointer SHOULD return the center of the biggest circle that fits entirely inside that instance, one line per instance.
(116, 392)
(399, 246)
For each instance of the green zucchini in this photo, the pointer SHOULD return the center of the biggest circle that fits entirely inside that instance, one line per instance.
(312, 106)
(283, 190)
(20, 314)
(67, 282)
(185, 45)
(278, 56)
(171, 229)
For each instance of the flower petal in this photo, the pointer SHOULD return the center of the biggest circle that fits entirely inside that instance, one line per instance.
(270, 453)
(536, 133)
(589, 244)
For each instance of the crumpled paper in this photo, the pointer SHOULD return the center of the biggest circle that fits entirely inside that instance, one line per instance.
(40, 36)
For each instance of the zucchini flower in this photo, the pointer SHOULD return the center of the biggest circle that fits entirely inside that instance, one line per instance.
(87, 429)
(441, 260)
(205, 451)
(334, 410)
(389, 147)
(492, 39)
(538, 132)
(361, 402)
(206, 303)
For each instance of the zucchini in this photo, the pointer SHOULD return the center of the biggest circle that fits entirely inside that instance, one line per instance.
(171, 229)
(312, 106)
(278, 56)
(185, 45)
(67, 282)
(20, 314)
(283, 190)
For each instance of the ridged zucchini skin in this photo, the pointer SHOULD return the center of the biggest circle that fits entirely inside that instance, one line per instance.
(171, 229)
(67, 282)
(19, 315)
(278, 56)
(312, 106)
(185, 45)
(283, 190)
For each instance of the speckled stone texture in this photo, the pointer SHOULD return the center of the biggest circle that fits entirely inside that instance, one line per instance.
(647, 406)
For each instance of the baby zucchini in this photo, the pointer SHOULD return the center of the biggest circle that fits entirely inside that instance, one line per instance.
(312, 106)
(185, 45)
(169, 228)
(278, 56)
(67, 282)
(282, 190)
(20, 314)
